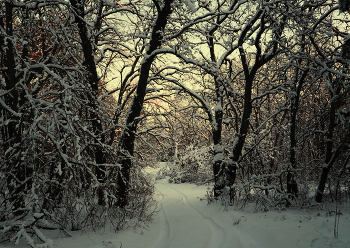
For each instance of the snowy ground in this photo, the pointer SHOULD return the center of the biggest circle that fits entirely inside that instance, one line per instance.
(186, 221)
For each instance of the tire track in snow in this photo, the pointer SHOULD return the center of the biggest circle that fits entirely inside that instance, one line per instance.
(164, 228)
(218, 234)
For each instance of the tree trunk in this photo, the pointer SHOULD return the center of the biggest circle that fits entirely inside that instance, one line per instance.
(219, 167)
(128, 135)
(292, 186)
(92, 79)
(237, 148)
(11, 132)
(218, 161)
(330, 157)
(249, 76)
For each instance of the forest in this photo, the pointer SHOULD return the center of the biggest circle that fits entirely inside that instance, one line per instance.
(249, 96)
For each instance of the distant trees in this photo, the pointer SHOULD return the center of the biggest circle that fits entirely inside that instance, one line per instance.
(254, 81)
(262, 80)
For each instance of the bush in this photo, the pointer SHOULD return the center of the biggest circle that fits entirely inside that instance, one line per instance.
(77, 209)
(194, 167)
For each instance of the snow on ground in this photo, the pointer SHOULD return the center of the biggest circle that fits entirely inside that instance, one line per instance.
(186, 221)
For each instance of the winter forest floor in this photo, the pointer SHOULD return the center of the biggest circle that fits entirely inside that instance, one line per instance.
(185, 220)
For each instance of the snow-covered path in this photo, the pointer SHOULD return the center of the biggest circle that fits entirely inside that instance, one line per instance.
(186, 225)
(183, 221)
(186, 221)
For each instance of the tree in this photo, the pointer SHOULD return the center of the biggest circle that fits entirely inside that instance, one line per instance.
(93, 82)
(260, 22)
(11, 135)
(128, 136)
(54, 118)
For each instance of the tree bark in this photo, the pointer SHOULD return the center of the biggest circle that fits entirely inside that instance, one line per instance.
(249, 75)
(292, 186)
(330, 157)
(128, 135)
(232, 164)
(218, 161)
(12, 131)
(92, 79)
(219, 167)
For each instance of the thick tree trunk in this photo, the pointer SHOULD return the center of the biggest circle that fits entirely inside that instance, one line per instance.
(89, 64)
(292, 186)
(128, 135)
(218, 161)
(11, 132)
(330, 157)
(237, 148)
(219, 166)
(249, 74)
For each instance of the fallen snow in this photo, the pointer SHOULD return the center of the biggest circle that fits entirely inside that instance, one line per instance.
(185, 220)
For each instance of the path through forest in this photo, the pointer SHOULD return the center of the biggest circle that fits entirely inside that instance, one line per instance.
(183, 221)
(186, 221)
(184, 224)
